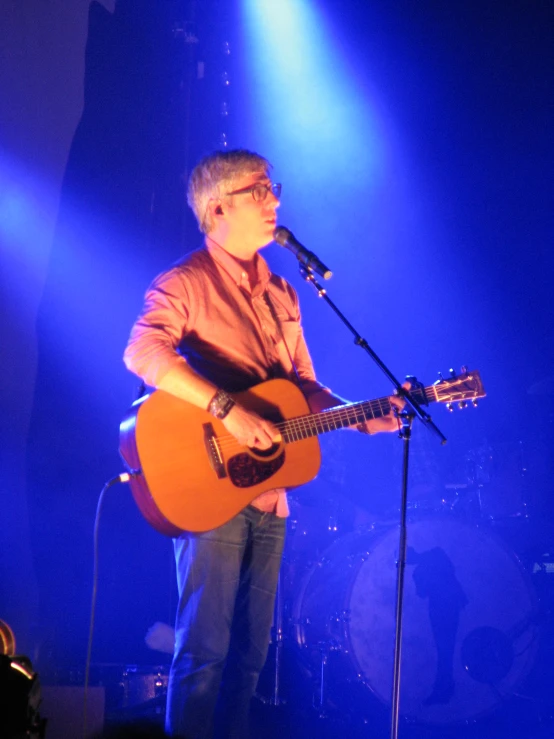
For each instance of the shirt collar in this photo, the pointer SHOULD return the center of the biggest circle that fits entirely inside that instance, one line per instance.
(234, 269)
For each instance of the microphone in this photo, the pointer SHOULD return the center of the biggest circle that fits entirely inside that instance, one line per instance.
(285, 238)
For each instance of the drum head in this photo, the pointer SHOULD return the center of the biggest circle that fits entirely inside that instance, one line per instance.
(469, 627)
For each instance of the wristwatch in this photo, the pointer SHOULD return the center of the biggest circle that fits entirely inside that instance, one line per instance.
(220, 405)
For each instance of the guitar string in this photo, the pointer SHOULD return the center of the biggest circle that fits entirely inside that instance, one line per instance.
(308, 423)
(303, 427)
(228, 443)
(332, 419)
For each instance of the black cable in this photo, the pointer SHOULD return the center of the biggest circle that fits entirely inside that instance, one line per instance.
(123, 477)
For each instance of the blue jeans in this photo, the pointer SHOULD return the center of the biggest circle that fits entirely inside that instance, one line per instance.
(227, 580)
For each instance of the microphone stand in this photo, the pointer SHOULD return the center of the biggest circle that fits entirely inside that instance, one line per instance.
(414, 410)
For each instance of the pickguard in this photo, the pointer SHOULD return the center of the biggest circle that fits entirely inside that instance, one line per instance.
(245, 470)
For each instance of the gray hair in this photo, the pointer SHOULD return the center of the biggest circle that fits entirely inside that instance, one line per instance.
(215, 175)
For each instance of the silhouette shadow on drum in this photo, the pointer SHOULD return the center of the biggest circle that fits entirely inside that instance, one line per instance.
(435, 579)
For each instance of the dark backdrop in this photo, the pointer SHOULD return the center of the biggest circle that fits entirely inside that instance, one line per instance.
(449, 260)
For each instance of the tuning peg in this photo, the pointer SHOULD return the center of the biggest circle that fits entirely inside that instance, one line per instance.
(463, 369)
(475, 402)
(462, 404)
(449, 407)
(452, 372)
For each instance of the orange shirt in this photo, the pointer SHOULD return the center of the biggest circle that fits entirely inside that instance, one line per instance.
(203, 311)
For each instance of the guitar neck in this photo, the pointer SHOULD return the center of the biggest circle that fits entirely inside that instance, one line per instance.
(344, 416)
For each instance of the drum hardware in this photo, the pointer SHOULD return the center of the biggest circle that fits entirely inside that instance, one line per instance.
(142, 685)
(277, 639)
(278, 636)
(312, 530)
(326, 648)
(319, 699)
(497, 480)
(320, 695)
(343, 617)
(130, 690)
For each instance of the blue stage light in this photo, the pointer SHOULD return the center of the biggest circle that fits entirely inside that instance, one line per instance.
(305, 92)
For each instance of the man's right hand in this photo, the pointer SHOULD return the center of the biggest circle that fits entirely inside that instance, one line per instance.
(249, 429)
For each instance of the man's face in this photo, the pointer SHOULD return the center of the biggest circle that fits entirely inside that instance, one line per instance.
(252, 220)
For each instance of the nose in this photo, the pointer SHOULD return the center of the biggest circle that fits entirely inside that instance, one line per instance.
(272, 199)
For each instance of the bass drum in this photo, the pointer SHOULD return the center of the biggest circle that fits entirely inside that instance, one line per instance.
(470, 630)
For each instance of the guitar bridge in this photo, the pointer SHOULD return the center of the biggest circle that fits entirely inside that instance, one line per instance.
(214, 453)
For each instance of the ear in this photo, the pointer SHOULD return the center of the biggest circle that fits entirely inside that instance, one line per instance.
(214, 211)
(216, 206)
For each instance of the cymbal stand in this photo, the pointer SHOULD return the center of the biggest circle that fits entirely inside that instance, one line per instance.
(277, 637)
(524, 474)
(320, 698)
(276, 699)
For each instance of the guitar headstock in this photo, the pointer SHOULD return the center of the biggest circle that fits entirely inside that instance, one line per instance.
(460, 389)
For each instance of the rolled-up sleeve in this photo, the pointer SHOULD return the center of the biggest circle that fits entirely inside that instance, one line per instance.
(166, 317)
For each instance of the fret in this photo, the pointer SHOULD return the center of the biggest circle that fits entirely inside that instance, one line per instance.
(340, 417)
(332, 419)
(351, 414)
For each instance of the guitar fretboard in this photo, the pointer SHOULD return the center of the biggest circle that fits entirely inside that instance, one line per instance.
(343, 416)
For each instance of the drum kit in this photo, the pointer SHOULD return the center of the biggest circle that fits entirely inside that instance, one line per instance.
(476, 609)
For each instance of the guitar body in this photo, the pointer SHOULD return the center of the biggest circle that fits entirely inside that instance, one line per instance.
(192, 475)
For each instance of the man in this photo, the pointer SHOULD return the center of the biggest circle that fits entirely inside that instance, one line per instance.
(220, 322)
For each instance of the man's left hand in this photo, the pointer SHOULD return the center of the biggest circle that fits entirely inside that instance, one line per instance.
(387, 423)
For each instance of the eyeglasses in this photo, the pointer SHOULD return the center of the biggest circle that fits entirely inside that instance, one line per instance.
(259, 190)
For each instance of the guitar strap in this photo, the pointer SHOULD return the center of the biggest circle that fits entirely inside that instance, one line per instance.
(281, 332)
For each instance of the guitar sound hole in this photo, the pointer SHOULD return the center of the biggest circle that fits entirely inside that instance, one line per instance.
(245, 470)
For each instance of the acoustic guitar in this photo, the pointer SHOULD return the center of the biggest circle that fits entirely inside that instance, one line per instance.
(190, 474)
